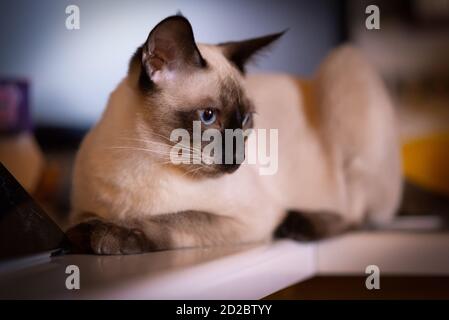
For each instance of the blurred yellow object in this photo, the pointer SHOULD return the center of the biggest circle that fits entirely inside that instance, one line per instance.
(426, 161)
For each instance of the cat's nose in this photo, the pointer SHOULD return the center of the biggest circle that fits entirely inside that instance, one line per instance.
(233, 148)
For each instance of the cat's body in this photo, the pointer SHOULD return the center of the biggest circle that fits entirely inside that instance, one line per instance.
(338, 155)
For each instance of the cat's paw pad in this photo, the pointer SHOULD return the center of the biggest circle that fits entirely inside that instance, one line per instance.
(106, 238)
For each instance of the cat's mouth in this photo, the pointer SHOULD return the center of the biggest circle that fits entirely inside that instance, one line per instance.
(230, 168)
(217, 170)
(209, 159)
(207, 171)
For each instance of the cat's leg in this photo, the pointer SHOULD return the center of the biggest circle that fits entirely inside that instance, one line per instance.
(373, 187)
(161, 232)
(309, 226)
(371, 194)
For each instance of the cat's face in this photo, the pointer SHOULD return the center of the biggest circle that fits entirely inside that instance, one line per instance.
(183, 83)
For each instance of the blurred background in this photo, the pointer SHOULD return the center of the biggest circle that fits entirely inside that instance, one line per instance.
(55, 82)
(73, 71)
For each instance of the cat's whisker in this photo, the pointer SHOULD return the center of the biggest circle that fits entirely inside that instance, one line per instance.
(187, 153)
(194, 151)
(181, 146)
(153, 143)
(159, 135)
(159, 152)
(193, 171)
(142, 140)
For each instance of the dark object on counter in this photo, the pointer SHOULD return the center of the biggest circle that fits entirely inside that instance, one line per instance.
(25, 229)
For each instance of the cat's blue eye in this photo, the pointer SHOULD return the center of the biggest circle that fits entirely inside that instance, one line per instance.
(208, 116)
(246, 119)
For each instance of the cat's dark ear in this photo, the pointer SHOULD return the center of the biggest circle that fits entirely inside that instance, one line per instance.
(240, 52)
(170, 48)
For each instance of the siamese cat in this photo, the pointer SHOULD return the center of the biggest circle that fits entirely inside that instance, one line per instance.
(338, 154)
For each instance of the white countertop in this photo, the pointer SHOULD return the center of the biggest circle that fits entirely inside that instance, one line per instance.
(245, 272)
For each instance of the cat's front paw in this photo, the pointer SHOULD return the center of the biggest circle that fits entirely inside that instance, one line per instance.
(106, 238)
(310, 226)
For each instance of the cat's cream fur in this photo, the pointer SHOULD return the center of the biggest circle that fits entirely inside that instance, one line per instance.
(338, 152)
